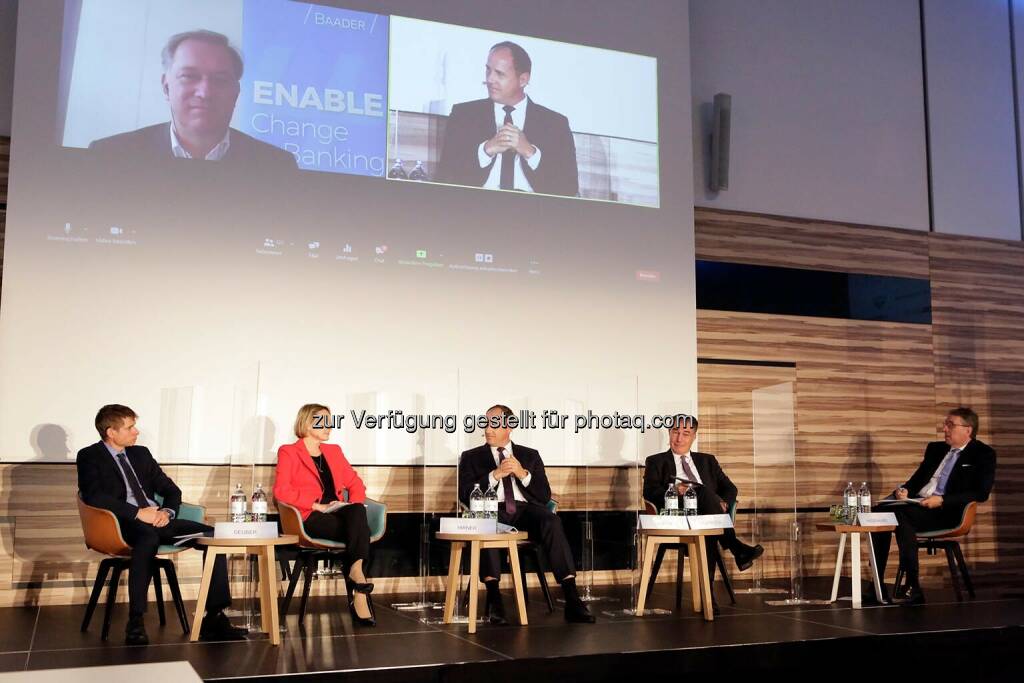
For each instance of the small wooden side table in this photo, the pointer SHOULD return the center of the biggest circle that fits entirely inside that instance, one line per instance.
(478, 542)
(700, 575)
(854, 531)
(263, 548)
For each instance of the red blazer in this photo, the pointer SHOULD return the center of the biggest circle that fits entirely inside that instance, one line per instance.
(298, 484)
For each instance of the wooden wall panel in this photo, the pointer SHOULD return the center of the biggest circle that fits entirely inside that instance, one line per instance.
(736, 237)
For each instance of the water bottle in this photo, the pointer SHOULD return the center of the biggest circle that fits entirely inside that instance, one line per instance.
(671, 500)
(238, 504)
(476, 503)
(849, 502)
(690, 501)
(418, 173)
(864, 496)
(397, 172)
(491, 503)
(259, 504)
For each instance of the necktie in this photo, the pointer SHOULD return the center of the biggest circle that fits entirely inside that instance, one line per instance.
(687, 472)
(510, 499)
(508, 159)
(133, 483)
(940, 487)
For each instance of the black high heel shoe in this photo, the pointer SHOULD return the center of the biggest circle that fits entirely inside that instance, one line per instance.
(355, 586)
(362, 621)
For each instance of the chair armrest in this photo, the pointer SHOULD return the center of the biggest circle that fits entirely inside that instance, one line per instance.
(101, 529)
(377, 517)
(650, 508)
(192, 512)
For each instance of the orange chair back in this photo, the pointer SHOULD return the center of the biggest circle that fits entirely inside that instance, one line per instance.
(966, 522)
(102, 531)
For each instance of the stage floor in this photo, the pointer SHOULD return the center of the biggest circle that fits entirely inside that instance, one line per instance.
(747, 637)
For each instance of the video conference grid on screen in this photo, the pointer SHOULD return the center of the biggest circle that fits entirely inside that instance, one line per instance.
(283, 84)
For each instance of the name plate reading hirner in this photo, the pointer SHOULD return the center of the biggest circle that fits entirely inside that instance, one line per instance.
(722, 521)
(245, 530)
(876, 518)
(664, 522)
(466, 525)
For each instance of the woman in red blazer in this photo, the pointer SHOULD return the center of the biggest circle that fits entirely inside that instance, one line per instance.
(313, 474)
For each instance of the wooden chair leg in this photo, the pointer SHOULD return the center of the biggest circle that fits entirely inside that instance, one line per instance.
(964, 571)
(158, 591)
(953, 572)
(542, 576)
(179, 604)
(294, 574)
(655, 568)
(115, 578)
(725, 578)
(679, 577)
(97, 589)
(307, 570)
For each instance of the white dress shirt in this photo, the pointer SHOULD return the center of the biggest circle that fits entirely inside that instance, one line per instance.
(689, 461)
(519, 181)
(215, 154)
(516, 493)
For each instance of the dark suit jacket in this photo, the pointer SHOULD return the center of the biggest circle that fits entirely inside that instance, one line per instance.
(473, 122)
(153, 143)
(101, 485)
(660, 469)
(476, 464)
(971, 479)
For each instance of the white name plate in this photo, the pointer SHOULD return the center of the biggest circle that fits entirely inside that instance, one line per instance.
(876, 518)
(664, 522)
(245, 530)
(722, 521)
(467, 525)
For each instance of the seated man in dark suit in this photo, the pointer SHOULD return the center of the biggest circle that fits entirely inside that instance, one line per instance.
(119, 476)
(507, 141)
(201, 83)
(715, 491)
(523, 495)
(954, 472)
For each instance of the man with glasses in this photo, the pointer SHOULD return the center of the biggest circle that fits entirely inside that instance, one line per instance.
(954, 472)
(684, 467)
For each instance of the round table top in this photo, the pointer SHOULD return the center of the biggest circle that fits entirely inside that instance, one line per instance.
(682, 532)
(517, 536)
(841, 528)
(248, 542)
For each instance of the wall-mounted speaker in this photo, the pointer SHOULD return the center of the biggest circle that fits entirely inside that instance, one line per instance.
(720, 142)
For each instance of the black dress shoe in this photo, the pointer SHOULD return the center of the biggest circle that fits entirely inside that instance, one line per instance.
(746, 559)
(135, 632)
(363, 621)
(914, 597)
(495, 609)
(715, 610)
(576, 612)
(357, 587)
(218, 627)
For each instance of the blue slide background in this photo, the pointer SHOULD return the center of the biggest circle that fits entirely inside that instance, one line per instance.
(312, 45)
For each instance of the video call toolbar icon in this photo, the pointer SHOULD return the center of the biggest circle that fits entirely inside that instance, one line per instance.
(483, 258)
(421, 253)
(347, 249)
(381, 249)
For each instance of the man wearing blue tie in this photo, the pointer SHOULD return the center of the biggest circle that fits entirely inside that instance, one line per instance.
(954, 472)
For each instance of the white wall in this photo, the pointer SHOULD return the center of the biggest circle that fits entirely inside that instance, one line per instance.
(827, 107)
(8, 24)
(970, 108)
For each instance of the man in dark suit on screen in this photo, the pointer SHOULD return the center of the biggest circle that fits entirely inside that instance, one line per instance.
(507, 141)
(523, 494)
(201, 81)
(682, 468)
(954, 472)
(116, 475)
